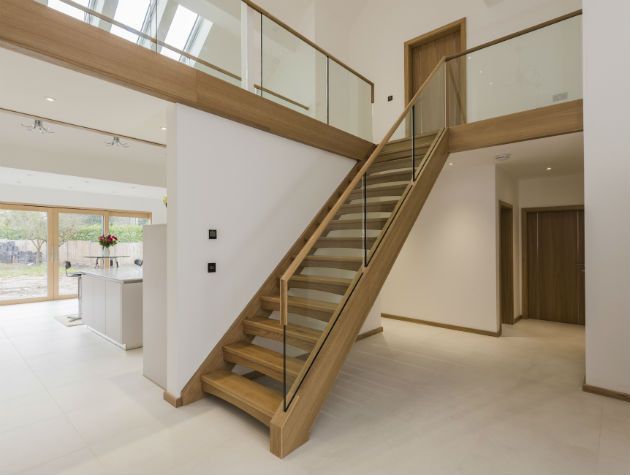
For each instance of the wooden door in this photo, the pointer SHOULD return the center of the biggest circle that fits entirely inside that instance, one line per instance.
(555, 264)
(422, 54)
(506, 265)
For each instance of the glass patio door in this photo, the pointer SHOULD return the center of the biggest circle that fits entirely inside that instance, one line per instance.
(76, 245)
(25, 273)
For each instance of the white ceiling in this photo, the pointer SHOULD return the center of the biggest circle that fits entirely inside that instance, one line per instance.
(564, 154)
(25, 82)
(13, 176)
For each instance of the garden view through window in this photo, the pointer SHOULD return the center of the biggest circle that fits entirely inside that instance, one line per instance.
(42, 249)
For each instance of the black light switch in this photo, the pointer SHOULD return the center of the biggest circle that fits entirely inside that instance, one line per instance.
(390, 98)
(212, 267)
(212, 234)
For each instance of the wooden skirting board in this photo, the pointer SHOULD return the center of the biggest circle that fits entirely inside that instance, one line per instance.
(173, 400)
(34, 29)
(441, 325)
(370, 333)
(547, 121)
(606, 392)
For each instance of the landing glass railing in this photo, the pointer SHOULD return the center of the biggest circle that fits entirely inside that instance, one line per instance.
(238, 42)
(322, 278)
(538, 68)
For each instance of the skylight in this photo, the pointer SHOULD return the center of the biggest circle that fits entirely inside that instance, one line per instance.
(131, 13)
(69, 10)
(179, 31)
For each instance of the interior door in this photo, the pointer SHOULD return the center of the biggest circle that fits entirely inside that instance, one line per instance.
(555, 264)
(506, 263)
(423, 57)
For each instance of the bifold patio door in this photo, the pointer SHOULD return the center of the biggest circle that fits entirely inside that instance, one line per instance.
(41, 247)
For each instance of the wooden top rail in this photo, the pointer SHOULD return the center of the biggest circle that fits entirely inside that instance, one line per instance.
(516, 34)
(297, 262)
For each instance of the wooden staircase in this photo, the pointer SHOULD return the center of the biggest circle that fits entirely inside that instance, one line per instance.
(281, 356)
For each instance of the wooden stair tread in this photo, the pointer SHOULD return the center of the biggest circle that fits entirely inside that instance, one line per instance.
(343, 242)
(333, 262)
(372, 223)
(384, 206)
(392, 177)
(268, 328)
(257, 400)
(308, 307)
(261, 359)
(379, 191)
(320, 279)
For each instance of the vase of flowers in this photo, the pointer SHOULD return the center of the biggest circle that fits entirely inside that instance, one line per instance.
(107, 241)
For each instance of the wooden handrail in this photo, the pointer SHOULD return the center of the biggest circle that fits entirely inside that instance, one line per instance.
(280, 96)
(516, 34)
(308, 246)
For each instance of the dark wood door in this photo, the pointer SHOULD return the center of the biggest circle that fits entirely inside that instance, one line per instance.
(506, 263)
(555, 265)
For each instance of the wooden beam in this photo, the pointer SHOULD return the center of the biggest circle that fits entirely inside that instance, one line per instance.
(34, 29)
(547, 121)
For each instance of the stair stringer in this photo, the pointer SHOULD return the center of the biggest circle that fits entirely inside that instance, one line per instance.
(193, 390)
(290, 429)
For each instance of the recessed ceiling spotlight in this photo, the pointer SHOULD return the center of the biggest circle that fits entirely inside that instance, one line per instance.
(491, 83)
(49, 99)
(548, 169)
(503, 157)
(163, 129)
(450, 164)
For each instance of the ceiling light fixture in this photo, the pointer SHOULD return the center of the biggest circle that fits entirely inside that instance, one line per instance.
(450, 164)
(38, 126)
(163, 129)
(117, 143)
(49, 99)
(503, 157)
(548, 169)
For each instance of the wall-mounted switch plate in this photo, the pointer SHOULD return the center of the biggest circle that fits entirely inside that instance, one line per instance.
(212, 267)
(390, 98)
(212, 234)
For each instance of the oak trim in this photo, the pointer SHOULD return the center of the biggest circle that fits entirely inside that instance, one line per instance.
(34, 29)
(549, 121)
(611, 393)
(172, 400)
(442, 325)
(457, 25)
(367, 334)
(517, 34)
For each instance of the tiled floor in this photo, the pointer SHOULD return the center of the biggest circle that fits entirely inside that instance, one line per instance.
(415, 399)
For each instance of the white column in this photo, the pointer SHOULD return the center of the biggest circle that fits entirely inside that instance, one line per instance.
(607, 193)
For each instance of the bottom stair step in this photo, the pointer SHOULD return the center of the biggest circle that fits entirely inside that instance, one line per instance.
(257, 400)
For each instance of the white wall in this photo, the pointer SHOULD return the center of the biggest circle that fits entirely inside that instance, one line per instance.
(607, 194)
(259, 191)
(447, 270)
(552, 191)
(70, 198)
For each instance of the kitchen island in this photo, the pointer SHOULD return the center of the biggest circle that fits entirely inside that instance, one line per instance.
(110, 304)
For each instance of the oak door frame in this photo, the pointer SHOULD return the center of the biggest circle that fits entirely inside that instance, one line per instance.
(525, 248)
(456, 26)
(505, 205)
